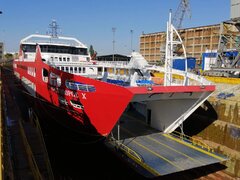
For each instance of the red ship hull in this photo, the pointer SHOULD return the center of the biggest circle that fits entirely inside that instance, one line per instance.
(100, 108)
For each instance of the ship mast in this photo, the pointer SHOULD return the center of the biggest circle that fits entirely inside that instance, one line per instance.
(169, 55)
(54, 29)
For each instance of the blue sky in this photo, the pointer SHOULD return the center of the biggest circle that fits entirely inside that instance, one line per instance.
(91, 21)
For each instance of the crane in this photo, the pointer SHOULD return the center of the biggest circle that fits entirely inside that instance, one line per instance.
(182, 10)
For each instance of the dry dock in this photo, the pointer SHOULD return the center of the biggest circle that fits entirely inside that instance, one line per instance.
(25, 159)
(224, 133)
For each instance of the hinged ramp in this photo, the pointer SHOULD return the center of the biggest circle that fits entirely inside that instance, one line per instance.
(160, 154)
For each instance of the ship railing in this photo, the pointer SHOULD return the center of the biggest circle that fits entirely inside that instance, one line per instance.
(201, 80)
(192, 140)
(129, 152)
(114, 63)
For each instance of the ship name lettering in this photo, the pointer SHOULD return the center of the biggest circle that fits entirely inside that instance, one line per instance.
(71, 93)
(84, 96)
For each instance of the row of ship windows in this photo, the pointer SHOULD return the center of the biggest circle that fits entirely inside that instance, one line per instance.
(61, 59)
(72, 69)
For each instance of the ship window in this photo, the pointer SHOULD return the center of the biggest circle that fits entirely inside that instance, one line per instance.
(99, 69)
(68, 59)
(64, 59)
(60, 58)
(57, 49)
(66, 69)
(62, 68)
(79, 69)
(55, 80)
(45, 75)
(84, 70)
(28, 48)
(71, 69)
(75, 69)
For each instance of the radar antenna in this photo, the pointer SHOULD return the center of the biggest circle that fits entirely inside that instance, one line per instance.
(54, 29)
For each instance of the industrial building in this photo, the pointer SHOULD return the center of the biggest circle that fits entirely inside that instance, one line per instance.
(197, 40)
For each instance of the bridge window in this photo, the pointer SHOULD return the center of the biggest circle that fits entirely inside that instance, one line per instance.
(73, 85)
(29, 48)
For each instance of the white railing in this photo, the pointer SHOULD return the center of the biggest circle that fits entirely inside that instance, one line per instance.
(122, 64)
(201, 80)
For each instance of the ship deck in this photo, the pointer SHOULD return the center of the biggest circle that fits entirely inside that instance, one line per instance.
(155, 153)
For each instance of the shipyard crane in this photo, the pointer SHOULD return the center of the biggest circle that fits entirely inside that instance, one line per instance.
(227, 63)
(182, 10)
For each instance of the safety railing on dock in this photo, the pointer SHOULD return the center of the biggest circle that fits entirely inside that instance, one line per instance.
(130, 152)
(192, 140)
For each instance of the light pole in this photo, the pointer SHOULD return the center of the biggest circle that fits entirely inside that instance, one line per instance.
(131, 31)
(113, 30)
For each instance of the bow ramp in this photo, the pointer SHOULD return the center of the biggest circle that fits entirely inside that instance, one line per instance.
(153, 153)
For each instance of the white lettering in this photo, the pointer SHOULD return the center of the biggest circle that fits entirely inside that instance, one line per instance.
(84, 96)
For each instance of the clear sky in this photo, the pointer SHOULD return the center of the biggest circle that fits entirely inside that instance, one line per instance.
(91, 21)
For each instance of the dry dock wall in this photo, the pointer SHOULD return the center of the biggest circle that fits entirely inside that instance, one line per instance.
(224, 133)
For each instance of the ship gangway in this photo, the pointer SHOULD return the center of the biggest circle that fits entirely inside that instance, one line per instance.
(154, 153)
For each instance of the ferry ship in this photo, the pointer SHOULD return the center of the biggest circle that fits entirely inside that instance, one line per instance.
(94, 94)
